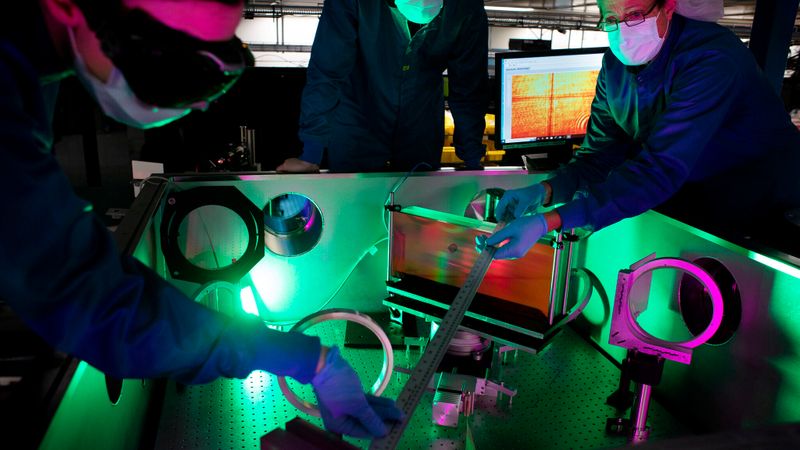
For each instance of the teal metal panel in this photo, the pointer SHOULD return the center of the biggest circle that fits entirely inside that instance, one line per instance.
(347, 268)
(87, 419)
(751, 380)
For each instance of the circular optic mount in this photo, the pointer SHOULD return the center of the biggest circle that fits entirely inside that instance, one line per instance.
(697, 273)
(352, 316)
(292, 224)
(695, 302)
(180, 204)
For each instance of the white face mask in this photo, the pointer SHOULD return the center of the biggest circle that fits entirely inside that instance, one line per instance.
(118, 101)
(419, 11)
(638, 44)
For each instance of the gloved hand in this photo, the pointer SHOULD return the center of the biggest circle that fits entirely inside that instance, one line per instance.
(466, 168)
(515, 202)
(296, 165)
(522, 233)
(344, 406)
(471, 165)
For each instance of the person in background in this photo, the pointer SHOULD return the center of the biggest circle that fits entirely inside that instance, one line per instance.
(681, 107)
(145, 62)
(791, 89)
(374, 93)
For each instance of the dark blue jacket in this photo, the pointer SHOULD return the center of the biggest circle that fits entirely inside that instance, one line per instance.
(62, 274)
(701, 108)
(375, 94)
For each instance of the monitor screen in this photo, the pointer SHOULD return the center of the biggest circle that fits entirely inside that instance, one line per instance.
(545, 97)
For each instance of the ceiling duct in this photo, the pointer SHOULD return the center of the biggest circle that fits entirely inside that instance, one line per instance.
(551, 19)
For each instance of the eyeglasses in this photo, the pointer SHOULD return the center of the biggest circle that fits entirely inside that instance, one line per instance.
(631, 20)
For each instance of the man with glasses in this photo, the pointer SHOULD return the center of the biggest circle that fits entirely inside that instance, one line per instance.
(680, 105)
(145, 62)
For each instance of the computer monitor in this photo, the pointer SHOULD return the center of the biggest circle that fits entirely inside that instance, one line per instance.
(544, 101)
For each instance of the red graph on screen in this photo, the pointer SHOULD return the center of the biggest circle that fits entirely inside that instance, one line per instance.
(551, 104)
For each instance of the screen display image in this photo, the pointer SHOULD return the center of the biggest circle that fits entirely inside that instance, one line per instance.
(546, 96)
(565, 98)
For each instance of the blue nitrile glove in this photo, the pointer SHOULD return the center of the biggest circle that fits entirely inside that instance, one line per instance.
(515, 202)
(522, 233)
(344, 406)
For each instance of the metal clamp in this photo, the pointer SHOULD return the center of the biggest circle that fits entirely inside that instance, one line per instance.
(353, 316)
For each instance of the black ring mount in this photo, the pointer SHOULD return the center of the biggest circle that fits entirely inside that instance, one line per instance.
(179, 204)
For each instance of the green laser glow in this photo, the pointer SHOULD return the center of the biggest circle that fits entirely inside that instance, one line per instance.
(274, 281)
(248, 301)
(256, 385)
(775, 264)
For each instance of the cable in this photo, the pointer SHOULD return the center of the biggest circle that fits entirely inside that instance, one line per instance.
(396, 187)
(137, 183)
(339, 288)
(156, 177)
(403, 180)
(590, 289)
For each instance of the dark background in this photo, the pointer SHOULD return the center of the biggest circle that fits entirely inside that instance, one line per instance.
(265, 99)
(96, 152)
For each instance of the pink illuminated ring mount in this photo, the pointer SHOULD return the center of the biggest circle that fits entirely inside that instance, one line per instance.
(352, 316)
(703, 277)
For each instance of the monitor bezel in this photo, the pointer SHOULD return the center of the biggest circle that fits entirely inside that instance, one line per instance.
(500, 57)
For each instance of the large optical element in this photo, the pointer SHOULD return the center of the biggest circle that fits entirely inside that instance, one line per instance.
(292, 224)
(182, 204)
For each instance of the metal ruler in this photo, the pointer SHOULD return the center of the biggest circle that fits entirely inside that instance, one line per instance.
(436, 349)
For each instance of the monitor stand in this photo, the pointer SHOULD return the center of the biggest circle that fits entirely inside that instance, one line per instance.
(542, 157)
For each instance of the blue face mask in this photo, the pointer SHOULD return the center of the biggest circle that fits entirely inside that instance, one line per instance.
(118, 101)
(419, 11)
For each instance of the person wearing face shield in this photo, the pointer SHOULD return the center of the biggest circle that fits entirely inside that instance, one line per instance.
(683, 120)
(145, 62)
(374, 99)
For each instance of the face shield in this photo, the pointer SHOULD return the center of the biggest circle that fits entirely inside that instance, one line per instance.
(165, 67)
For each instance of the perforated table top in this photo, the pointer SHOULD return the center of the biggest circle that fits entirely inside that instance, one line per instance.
(560, 405)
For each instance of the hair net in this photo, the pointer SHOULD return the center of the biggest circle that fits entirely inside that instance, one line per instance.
(705, 10)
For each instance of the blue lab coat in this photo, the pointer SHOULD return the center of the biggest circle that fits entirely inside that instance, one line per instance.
(60, 270)
(374, 93)
(700, 110)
